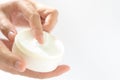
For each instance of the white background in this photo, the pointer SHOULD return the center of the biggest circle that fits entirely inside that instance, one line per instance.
(90, 31)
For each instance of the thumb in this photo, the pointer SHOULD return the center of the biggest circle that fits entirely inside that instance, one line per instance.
(10, 60)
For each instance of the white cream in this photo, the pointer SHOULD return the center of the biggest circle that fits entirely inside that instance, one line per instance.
(39, 57)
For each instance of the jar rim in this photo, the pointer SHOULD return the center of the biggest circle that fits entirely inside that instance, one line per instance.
(32, 52)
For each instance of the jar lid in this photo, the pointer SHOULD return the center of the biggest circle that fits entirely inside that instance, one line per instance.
(51, 48)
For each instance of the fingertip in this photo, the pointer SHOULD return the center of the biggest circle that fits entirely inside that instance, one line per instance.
(40, 39)
(11, 35)
(65, 68)
(61, 69)
(20, 66)
(18, 63)
(13, 61)
(38, 35)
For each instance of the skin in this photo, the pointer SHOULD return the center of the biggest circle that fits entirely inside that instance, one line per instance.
(25, 13)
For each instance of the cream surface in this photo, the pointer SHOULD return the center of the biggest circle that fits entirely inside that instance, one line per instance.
(39, 57)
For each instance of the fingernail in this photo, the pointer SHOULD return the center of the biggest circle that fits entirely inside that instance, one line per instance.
(42, 39)
(18, 66)
(11, 35)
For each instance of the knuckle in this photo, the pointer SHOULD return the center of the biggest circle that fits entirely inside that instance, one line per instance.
(55, 12)
(4, 27)
(15, 2)
(52, 11)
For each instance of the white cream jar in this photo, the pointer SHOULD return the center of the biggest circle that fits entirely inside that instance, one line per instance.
(39, 57)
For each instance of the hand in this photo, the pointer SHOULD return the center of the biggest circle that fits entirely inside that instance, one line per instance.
(25, 13)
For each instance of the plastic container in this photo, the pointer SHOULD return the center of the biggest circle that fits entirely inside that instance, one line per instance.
(39, 57)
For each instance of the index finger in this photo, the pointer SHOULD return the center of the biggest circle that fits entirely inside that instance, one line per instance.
(32, 16)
